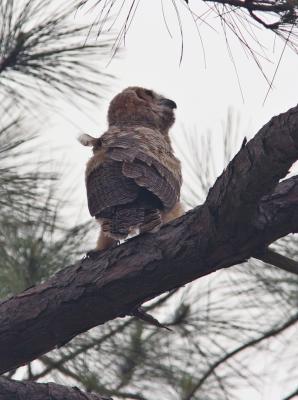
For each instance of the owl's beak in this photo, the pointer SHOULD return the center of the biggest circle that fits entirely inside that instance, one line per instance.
(168, 103)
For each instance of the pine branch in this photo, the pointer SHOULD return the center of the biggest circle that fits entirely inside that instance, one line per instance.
(32, 233)
(58, 364)
(22, 390)
(278, 260)
(67, 372)
(271, 333)
(279, 8)
(236, 15)
(18, 189)
(95, 342)
(292, 395)
(237, 220)
(44, 49)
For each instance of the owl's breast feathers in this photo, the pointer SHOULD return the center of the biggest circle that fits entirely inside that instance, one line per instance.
(134, 176)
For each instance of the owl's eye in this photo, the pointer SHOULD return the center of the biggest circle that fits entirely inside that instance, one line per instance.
(144, 94)
(149, 93)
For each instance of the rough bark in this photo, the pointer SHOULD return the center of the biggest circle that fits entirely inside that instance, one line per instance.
(10, 389)
(239, 218)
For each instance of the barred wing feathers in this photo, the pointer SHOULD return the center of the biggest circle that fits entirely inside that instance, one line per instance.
(108, 187)
(148, 159)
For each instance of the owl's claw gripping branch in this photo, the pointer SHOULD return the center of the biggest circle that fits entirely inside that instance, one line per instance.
(95, 252)
(92, 254)
(246, 210)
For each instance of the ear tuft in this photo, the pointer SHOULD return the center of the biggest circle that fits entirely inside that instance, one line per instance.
(87, 140)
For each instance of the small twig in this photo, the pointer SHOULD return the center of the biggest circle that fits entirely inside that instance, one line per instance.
(271, 333)
(255, 5)
(140, 313)
(278, 260)
(273, 26)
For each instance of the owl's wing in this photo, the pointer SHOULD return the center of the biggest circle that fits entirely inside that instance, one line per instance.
(149, 161)
(154, 178)
(115, 188)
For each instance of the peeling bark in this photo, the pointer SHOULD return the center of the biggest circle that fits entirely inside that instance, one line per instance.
(25, 390)
(241, 216)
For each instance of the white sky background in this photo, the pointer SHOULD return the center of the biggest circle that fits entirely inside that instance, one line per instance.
(202, 92)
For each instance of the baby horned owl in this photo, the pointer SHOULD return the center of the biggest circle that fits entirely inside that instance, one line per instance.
(133, 179)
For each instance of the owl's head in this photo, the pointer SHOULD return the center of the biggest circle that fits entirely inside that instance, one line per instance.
(143, 107)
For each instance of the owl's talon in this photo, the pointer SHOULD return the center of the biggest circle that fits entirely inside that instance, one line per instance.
(112, 246)
(92, 254)
(95, 252)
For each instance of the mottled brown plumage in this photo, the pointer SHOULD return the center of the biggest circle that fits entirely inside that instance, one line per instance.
(133, 180)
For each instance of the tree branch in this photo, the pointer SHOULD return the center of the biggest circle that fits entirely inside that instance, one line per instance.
(42, 51)
(280, 9)
(278, 260)
(284, 10)
(257, 5)
(271, 333)
(236, 222)
(55, 364)
(292, 395)
(23, 390)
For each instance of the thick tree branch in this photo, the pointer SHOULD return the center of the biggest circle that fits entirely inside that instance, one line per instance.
(254, 171)
(236, 222)
(10, 389)
(41, 50)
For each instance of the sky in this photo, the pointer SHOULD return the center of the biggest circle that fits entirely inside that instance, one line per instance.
(205, 84)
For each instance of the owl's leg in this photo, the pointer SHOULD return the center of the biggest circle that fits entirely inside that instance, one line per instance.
(104, 242)
(174, 213)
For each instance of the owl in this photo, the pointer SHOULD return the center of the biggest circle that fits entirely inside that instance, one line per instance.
(133, 179)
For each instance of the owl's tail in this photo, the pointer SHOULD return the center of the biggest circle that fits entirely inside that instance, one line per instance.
(127, 220)
(152, 221)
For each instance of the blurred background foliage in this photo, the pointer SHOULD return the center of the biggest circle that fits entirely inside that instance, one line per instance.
(232, 332)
